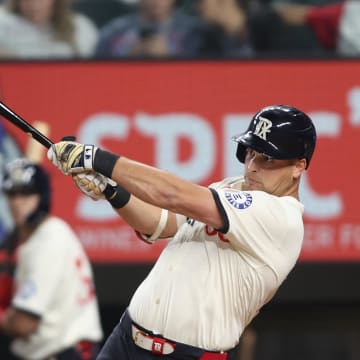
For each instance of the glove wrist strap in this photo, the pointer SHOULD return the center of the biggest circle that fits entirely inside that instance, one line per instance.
(117, 196)
(104, 162)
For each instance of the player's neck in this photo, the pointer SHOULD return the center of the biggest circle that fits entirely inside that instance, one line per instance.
(26, 230)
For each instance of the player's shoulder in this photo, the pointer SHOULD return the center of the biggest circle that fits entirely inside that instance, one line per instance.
(269, 203)
(233, 182)
(55, 223)
(55, 232)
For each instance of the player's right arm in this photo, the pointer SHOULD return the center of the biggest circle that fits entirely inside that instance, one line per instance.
(145, 218)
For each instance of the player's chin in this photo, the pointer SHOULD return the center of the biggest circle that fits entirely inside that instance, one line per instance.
(248, 187)
(252, 185)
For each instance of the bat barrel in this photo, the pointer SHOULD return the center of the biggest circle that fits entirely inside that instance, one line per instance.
(18, 121)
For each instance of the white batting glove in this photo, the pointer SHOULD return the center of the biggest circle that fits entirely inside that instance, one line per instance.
(52, 157)
(72, 157)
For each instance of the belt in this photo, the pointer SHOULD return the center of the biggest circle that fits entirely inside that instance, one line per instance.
(156, 345)
(159, 345)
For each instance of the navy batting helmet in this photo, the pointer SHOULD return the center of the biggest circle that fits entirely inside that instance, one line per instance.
(280, 132)
(22, 176)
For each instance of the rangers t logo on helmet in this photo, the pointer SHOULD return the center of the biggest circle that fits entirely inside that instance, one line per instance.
(263, 127)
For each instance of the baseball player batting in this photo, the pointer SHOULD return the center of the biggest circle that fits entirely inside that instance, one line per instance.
(231, 245)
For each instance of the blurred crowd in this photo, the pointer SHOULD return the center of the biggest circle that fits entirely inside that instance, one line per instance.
(107, 29)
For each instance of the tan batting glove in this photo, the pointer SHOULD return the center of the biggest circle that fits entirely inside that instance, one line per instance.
(99, 187)
(72, 157)
(91, 184)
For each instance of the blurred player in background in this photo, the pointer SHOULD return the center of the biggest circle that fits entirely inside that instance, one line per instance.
(233, 243)
(9, 150)
(53, 312)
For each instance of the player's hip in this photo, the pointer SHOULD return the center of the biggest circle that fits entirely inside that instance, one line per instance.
(129, 341)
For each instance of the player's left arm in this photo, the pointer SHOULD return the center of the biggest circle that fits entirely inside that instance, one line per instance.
(151, 185)
(162, 189)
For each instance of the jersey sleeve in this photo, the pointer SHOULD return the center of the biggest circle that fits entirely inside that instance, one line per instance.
(258, 225)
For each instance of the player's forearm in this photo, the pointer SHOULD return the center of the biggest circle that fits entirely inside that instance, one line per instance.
(153, 186)
(167, 191)
(145, 217)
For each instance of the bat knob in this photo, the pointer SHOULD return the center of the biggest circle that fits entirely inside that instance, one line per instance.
(69, 138)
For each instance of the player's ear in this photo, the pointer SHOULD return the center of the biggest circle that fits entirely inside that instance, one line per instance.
(299, 167)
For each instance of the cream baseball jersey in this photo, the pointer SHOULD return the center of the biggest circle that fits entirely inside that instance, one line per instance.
(54, 281)
(207, 285)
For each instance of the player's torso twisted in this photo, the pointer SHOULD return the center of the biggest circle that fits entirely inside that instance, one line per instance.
(207, 279)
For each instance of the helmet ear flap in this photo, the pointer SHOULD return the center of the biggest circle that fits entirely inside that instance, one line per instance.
(241, 152)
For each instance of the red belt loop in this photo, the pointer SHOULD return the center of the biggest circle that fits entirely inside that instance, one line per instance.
(213, 356)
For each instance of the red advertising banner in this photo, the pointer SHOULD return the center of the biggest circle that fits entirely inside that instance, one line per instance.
(180, 116)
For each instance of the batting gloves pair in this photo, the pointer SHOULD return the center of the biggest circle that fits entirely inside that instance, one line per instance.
(91, 169)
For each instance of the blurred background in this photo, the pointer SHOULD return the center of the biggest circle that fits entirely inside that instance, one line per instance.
(168, 83)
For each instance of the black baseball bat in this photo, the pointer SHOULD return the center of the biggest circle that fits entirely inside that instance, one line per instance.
(22, 124)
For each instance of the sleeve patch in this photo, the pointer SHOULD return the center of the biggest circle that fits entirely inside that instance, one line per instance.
(27, 290)
(239, 200)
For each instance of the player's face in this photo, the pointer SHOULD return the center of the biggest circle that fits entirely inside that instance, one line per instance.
(22, 205)
(277, 177)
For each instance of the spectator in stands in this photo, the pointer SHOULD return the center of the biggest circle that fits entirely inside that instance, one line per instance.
(154, 30)
(271, 35)
(102, 12)
(337, 26)
(45, 29)
(226, 31)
